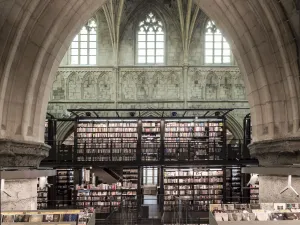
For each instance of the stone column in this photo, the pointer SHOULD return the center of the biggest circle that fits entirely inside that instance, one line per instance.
(185, 84)
(20, 194)
(277, 153)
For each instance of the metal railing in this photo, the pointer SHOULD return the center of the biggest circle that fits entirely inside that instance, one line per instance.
(168, 151)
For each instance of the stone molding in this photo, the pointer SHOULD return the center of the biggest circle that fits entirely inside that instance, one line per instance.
(283, 151)
(22, 153)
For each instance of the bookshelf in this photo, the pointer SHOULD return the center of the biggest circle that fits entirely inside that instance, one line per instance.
(130, 188)
(104, 198)
(150, 140)
(64, 187)
(194, 188)
(194, 140)
(42, 197)
(233, 185)
(254, 193)
(106, 140)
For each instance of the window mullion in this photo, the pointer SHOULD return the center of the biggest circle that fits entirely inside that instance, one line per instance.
(154, 53)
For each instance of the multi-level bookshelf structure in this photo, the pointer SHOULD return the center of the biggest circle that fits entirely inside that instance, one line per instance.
(64, 187)
(195, 188)
(150, 140)
(99, 140)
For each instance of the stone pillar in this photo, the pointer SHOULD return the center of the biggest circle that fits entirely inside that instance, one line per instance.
(21, 193)
(277, 153)
(185, 84)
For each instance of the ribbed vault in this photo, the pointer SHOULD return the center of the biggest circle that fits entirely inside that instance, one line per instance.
(34, 36)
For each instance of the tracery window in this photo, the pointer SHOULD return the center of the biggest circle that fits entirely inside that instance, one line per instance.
(150, 175)
(217, 49)
(83, 50)
(150, 41)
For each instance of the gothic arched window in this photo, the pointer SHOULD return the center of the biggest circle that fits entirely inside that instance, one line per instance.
(150, 41)
(83, 50)
(217, 49)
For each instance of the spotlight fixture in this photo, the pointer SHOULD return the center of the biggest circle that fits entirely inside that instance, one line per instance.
(88, 114)
(132, 114)
(217, 113)
(174, 114)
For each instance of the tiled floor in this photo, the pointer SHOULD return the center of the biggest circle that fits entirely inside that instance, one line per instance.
(151, 201)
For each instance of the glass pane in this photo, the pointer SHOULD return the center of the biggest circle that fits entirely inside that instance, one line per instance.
(142, 45)
(218, 52)
(93, 32)
(141, 37)
(93, 45)
(218, 37)
(218, 59)
(74, 51)
(149, 180)
(150, 38)
(208, 52)
(159, 44)
(155, 172)
(93, 52)
(83, 37)
(209, 37)
(92, 60)
(159, 59)
(226, 59)
(83, 60)
(83, 44)
(75, 38)
(150, 59)
(226, 45)
(74, 44)
(144, 172)
(149, 172)
(218, 45)
(141, 52)
(208, 44)
(150, 52)
(83, 30)
(159, 52)
(150, 45)
(208, 59)
(144, 180)
(226, 52)
(159, 37)
(93, 38)
(83, 51)
(141, 59)
(74, 60)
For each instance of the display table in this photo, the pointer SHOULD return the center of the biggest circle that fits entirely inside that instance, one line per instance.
(50, 217)
(251, 214)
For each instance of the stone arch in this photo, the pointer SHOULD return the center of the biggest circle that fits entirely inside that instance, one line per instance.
(37, 39)
(211, 88)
